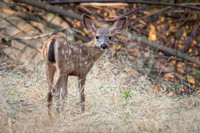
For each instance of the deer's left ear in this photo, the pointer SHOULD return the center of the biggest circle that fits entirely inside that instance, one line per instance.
(118, 25)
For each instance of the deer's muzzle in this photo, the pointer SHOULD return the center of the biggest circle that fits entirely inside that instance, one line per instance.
(104, 46)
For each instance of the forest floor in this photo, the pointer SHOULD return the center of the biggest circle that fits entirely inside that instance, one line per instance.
(115, 102)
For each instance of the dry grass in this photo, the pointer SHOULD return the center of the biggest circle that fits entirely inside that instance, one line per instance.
(23, 104)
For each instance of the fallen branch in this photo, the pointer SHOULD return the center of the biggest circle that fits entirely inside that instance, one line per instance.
(8, 42)
(163, 48)
(6, 39)
(50, 8)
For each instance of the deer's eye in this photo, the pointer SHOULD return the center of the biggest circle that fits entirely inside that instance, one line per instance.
(109, 37)
(97, 37)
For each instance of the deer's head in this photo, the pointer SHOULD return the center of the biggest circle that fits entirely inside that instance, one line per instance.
(102, 36)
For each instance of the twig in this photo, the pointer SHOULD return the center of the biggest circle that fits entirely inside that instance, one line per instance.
(13, 25)
(188, 42)
(149, 15)
(26, 43)
(134, 11)
(34, 26)
(37, 19)
(86, 10)
(192, 89)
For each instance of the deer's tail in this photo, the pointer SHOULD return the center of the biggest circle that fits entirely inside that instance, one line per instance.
(51, 52)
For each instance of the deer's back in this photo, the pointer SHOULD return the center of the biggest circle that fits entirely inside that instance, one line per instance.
(69, 57)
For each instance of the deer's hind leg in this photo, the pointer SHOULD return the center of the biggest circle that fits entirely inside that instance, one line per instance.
(56, 90)
(50, 71)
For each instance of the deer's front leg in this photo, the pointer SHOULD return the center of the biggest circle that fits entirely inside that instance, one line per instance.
(81, 86)
(64, 92)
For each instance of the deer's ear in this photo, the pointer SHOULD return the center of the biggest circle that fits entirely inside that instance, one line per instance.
(118, 25)
(88, 23)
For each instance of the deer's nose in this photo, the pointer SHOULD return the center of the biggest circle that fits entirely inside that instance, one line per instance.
(104, 46)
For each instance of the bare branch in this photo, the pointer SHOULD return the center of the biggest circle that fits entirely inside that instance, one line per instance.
(187, 43)
(124, 1)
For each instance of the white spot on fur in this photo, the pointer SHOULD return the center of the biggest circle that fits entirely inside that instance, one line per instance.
(63, 52)
(76, 49)
(65, 42)
(56, 49)
(74, 56)
(70, 51)
(82, 59)
(48, 44)
(85, 62)
(88, 64)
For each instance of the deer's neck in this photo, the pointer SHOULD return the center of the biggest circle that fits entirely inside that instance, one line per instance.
(94, 50)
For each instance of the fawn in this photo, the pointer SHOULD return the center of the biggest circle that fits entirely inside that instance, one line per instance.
(70, 58)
